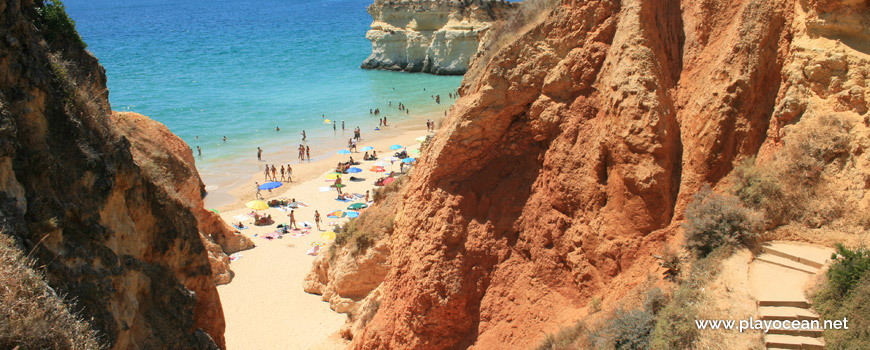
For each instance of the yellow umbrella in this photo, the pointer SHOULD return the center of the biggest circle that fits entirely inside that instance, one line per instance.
(328, 235)
(333, 176)
(420, 139)
(257, 205)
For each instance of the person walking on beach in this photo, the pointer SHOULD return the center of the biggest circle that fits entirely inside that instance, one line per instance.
(367, 196)
(303, 135)
(199, 151)
(266, 173)
(282, 173)
(385, 121)
(338, 185)
(342, 125)
(301, 152)
(289, 173)
(259, 154)
(274, 171)
(308, 153)
(333, 125)
(292, 216)
(257, 187)
(317, 219)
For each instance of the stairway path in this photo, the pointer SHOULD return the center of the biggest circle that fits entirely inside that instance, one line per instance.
(779, 276)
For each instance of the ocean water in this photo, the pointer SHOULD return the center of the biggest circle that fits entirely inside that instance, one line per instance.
(236, 68)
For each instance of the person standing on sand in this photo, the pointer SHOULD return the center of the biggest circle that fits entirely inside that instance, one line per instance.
(266, 173)
(289, 173)
(292, 216)
(257, 187)
(367, 196)
(317, 220)
(308, 153)
(259, 154)
(274, 171)
(385, 121)
(303, 135)
(282, 173)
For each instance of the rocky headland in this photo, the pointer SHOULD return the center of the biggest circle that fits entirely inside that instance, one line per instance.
(575, 148)
(430, 36)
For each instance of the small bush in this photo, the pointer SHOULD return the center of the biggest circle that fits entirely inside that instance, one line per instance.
(809, 149)
(714, 220)
(671, 262)
(595, 305)
(846, 294)
(759, 188)
(848, 268)
(56, 24)
(32, 316)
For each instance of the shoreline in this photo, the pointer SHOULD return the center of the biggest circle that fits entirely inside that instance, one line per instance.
(265, 306)
(232, 191)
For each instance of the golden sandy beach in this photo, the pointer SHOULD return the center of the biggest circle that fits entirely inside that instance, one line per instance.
(265, 306)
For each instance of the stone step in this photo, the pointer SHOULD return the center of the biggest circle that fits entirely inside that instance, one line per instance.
(803, 304)
(779, 341)
(786, 313)
(786, 263)
(812, 333)
(793, 253)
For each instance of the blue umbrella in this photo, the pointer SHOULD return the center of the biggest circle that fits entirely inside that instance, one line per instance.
(270, 185)
(408, 160)
(344, 151)
(395, 147)
(352, 214)
(367, 148)
(354, 170)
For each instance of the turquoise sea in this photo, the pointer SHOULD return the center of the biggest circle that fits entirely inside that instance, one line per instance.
(237, 68)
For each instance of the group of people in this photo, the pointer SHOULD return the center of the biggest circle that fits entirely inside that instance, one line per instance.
(343, 166)
(271, 173)
(304, 152)
(430, 125)
(373, 156)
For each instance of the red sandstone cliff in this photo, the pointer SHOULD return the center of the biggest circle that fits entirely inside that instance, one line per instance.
(75, 195)
(576, 145)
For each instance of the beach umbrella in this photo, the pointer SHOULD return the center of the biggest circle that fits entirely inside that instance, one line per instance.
(352, 214)
(408, 160)
(215, 210)
(338, 214)
(328, 235)
(257, 205)
(333, 176)
(270, 185)
(415, 151)
(357, 206)
(367, 148)
(395, 147)
(377, 169)
(354, 170)
(381, 164)
(389, 180)
(420, 139)
(393, 159)
(317, 244)
(344, 151)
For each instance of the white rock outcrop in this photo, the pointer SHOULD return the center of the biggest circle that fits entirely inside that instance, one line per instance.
(438, 37)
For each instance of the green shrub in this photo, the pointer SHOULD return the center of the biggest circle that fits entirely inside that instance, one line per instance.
(32, 315)
(714, 220)
(848, 268)
(56, 24)
(846, 294)
(760, 188)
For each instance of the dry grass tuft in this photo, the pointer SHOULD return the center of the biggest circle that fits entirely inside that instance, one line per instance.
(32, 315)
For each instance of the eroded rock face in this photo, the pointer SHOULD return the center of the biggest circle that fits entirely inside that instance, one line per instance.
(167, 160)
(574, 150)
(429, 36)
(118, 242)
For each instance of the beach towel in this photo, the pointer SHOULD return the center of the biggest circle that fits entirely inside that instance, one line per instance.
(240, 228)
(303, 204)
(359, 195)
(306, 224)
(283, 210)
(241, 217)
(344, 200)
(324, 189)
(235, 256)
